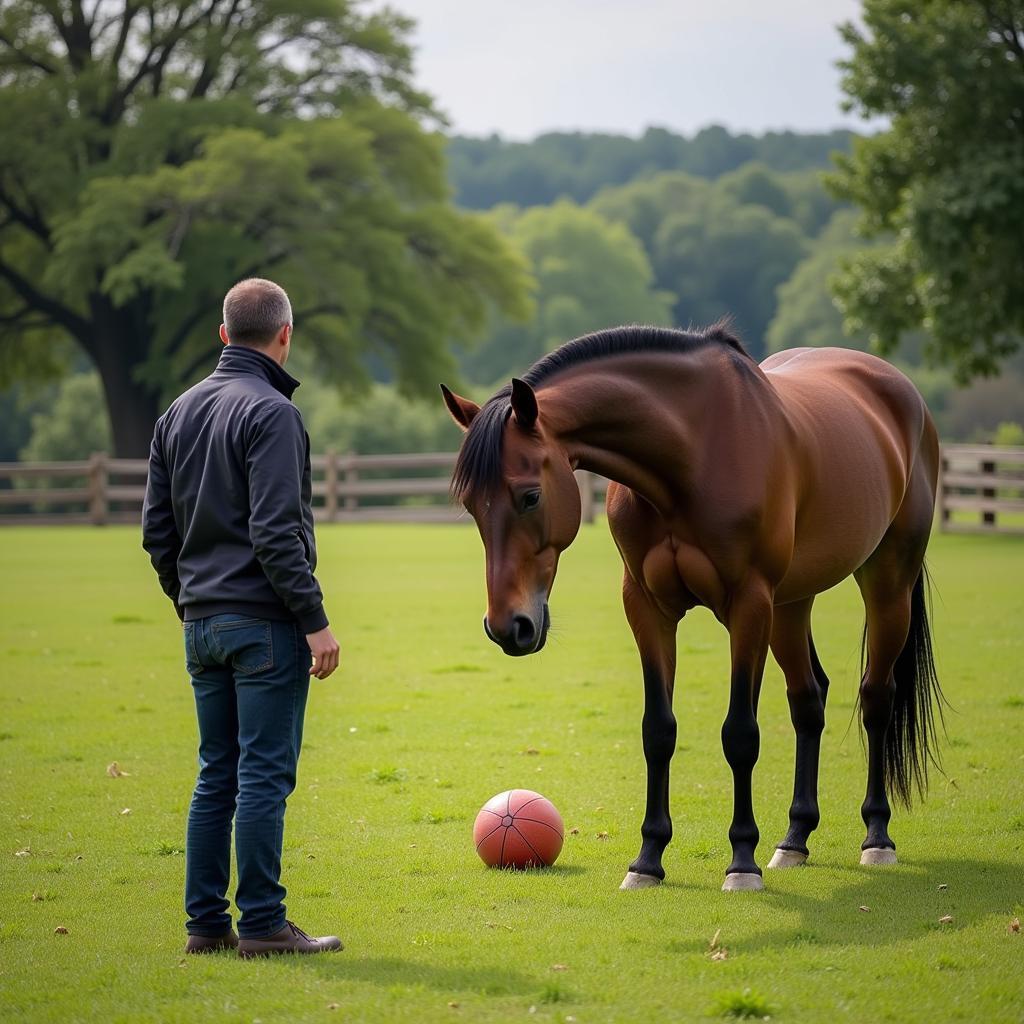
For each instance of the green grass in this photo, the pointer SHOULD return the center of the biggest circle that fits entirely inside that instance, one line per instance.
(424, 722)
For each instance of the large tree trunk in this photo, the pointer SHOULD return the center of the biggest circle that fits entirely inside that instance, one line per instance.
(117, 350)
(132, 409)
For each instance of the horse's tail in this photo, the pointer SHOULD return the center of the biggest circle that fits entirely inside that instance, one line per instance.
(911, 741)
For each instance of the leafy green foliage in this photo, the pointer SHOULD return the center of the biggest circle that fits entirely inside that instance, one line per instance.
(944, 186)
(719, 255)
(1009, 435)
(728, 260)
(73, 425)
(590, 274)
(807, 314)
(378, 421)
(575, 165)
(154, 154)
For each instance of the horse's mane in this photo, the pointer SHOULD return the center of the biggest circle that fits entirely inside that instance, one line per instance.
(479, 461)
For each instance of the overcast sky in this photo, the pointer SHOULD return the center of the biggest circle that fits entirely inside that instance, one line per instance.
(521, 67)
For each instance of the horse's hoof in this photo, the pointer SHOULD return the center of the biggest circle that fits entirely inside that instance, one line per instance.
(787, 859)
(634, 880)
(875, 855)
(742, 881)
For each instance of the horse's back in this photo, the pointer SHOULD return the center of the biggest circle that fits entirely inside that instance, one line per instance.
(845, 396)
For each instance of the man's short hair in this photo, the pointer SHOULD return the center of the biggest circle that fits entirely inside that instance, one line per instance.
(254, 311)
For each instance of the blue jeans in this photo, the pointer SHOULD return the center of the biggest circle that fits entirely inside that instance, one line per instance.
(251, 679)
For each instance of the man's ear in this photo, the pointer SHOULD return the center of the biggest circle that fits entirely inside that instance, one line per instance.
(224, 335)
(524, 404)
(462, 409)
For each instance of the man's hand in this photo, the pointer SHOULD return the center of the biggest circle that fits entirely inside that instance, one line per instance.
(325, 651)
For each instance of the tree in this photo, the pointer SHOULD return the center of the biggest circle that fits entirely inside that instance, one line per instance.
(157, 152)
(806, 313)
(590, 274)
(73, 425)
(727, 259)
(718, 256)
(755, 184)
(489, 171)
(1009, 435)
(381, 422)
(643, 205)
(944, 185)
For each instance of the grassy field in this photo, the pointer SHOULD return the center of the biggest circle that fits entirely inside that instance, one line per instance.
(424, 722)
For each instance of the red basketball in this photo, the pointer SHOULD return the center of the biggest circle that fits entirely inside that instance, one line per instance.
(518, 829)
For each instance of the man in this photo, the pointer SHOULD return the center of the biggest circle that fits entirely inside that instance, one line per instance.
(229, 529)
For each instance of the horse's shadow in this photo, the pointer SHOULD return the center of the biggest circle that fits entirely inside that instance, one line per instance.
(903, 903)
(882, 906)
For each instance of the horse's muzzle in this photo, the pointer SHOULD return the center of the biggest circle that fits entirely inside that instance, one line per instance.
(524, 634)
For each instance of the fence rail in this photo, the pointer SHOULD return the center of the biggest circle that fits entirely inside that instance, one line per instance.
(981, 489)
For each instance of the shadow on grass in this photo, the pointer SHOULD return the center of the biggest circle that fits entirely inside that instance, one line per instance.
(903, 902)
(566, 869)
(490, 979)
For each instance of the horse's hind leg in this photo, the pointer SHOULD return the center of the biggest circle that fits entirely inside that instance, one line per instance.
(888, 623)
(888, 581)
(656, 640)
(806, 687)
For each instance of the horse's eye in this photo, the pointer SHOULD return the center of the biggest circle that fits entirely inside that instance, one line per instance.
(531, 499)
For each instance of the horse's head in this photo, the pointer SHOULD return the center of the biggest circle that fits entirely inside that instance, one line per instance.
(518, 484)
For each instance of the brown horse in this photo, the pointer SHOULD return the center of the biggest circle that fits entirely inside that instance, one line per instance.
(747, 489)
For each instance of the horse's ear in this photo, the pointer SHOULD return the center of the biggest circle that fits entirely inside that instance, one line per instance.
(524, 403)
(462, 409)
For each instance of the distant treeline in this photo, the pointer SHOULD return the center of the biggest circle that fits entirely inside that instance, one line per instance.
(488, 171)
(659, 229)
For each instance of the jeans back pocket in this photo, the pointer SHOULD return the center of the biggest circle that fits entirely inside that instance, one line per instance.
(247, 644)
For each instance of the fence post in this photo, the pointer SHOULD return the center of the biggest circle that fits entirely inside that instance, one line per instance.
(351, 477)
(940, 490)
(586, 482)
(331, 486)
(99, 477)
(988, 518)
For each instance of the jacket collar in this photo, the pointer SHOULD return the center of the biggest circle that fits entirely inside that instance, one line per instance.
(237, 359)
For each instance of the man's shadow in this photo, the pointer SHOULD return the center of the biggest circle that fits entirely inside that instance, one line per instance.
(387, 971)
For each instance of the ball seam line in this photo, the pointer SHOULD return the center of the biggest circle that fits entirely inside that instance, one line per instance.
(488, 836)
(537, 821)
(532, 800)
(501, 858)
(540, 860)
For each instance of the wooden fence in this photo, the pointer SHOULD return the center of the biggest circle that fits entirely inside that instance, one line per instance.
(981, 489)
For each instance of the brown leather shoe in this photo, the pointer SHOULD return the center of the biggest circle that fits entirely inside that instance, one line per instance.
(290, 939)
(211, 943)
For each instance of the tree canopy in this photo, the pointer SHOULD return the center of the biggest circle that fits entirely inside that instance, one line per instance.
(157, 152)
(943, 187)
(718, 248)
(590, 273)
(576, 165)
(807, 313)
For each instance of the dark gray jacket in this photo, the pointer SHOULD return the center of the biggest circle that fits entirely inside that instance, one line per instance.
(227, 519)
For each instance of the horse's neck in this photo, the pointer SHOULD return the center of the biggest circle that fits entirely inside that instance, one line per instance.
(642, 419)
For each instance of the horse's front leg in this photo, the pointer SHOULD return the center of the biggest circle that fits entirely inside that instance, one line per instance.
(656, 640)
(750, 623)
